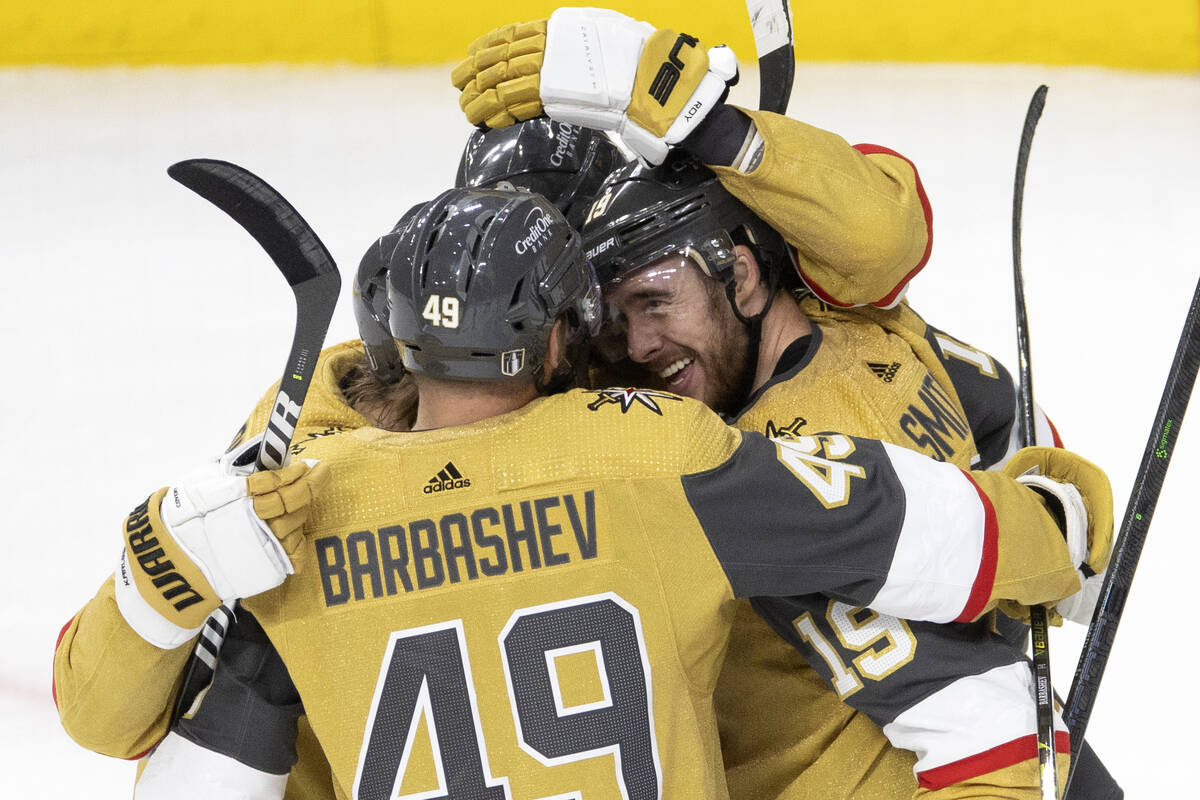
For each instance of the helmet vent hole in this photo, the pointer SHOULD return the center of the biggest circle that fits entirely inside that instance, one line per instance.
(473, 240)
(516, 295)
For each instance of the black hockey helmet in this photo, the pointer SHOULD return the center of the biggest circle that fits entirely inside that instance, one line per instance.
(477, 280)
(371, 304)
(564, 163)
(643, 213)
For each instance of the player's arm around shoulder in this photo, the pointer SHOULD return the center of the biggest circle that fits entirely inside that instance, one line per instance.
(877, 525)
(858, 216)
(113, 690)
(114, 681)
(217, 535)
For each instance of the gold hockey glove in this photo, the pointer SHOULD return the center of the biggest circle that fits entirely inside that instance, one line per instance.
(599, 69)
(1078, 493)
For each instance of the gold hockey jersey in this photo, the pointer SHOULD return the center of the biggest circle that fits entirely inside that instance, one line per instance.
(785, 732)
(539, 603)
(858, 217)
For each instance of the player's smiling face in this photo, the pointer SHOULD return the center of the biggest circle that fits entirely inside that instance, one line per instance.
(677, 323)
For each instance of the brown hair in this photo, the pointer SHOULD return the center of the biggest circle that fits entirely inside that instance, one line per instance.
(392, 407)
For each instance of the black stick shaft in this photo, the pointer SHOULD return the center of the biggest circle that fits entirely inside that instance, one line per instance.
(1038, 622)
(771, 21)
(1025, 420)
(1097, 646)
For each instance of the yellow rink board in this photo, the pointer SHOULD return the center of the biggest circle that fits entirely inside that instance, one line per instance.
(1148, 34)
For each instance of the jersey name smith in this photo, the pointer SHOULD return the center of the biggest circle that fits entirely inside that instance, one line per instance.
(459, 546)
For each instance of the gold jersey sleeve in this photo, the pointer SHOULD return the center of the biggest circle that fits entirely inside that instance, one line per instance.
(858, 217)
(114, 691)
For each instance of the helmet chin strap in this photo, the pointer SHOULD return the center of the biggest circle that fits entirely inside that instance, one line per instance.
(753, 324)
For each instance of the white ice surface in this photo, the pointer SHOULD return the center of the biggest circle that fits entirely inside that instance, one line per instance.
(139, 323)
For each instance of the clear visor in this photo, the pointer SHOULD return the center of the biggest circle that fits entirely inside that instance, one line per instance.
(651, 298)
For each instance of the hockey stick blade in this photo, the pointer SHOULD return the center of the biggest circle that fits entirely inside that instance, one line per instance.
(1039, 624)
(771, 21)
(305, 263)
(1143, 497)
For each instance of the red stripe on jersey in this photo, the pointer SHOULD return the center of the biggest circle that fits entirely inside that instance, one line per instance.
(981, 589)
(148, 751)
(1054, 432)
(887, 300)
(57, 642)
(890, 297)
(999, 757)
(818, 290)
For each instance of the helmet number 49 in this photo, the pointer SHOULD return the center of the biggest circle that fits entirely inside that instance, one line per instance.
(441, 311)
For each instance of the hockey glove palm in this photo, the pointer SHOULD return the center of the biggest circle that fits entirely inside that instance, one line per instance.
(599, 69)
(218, 535)
(1078, 493)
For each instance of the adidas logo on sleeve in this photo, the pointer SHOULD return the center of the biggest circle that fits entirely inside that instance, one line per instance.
(448, 478)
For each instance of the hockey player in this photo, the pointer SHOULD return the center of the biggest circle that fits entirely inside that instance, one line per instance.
(117, 695)
(857, 217)
(877, 176)
(703, 292)
(839, 187)
(572, 585)
(616, 83)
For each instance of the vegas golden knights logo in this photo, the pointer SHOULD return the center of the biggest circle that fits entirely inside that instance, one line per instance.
(818, 462)
(668, 74)
(789, 431)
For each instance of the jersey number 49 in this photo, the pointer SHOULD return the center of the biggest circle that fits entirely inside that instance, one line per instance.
(426, 675)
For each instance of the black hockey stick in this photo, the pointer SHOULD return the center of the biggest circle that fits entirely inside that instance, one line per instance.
(1097, 645)
(315, 281)
(1038, 623)
(304, 262)
(772, 24)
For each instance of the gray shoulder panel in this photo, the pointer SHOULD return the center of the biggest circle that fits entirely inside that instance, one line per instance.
(773, 533)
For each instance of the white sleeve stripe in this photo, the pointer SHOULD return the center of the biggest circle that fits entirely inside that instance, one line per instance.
(941, 543)
(969, 717)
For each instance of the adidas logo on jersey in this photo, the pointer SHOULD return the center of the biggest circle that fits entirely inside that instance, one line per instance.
(885, 372)
(448, 478)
